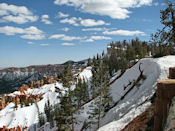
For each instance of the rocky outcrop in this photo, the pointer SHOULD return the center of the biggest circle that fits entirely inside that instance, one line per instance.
(19, 99)
(12, 129)
(27, 98)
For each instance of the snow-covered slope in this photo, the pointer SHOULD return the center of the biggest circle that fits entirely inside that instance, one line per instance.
(125, 110)
(137, 100)
(28, 116)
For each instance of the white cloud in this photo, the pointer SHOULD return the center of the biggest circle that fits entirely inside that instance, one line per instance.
(16, 14)
(116, 9)
(44, 44)
(94, 29)
(124, 32)
(156, 4)
(62, 15)
(64, 37)
(72, 21)
(30, 43)
(31, 32)
(91, 22)
(83, 22)
(33, 37)
(56, 36)
(45, 19)
(100, 38)
(65, 29)
(67, 44)
(93, 38)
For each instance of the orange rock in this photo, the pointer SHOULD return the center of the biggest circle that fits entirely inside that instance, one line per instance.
(18, 128)
(3, 128)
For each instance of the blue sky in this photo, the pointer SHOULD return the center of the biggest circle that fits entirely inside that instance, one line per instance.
(36, 32)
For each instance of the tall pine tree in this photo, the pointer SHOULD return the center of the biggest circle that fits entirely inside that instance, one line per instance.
(100, 91)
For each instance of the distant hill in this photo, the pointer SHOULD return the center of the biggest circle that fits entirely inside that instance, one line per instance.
(82, 62)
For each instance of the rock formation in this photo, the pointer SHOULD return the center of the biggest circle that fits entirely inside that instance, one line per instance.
(27, 98)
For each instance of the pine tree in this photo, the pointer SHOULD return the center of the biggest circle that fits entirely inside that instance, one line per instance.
(67, 76)
(78, 92)
(167, 33)
(100, 83)
(49, 112)
(85, 90)
(41, 119)
(68, 105)
(89, 62)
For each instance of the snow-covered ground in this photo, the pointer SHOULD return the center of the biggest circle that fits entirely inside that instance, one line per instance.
(133, 104)
(137, 101)
(27, 116)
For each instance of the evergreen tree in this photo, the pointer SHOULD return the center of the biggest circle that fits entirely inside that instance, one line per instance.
(41, 119)
(67, 108)
(89, 62)
(85, 90)
(49, 112)
(100, 84)
(167, 33)
(67, 76)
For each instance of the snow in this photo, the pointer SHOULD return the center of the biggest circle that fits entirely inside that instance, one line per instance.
(27, 116)
(115, 75)
(86, 73)
(137, 101)
(133, 104)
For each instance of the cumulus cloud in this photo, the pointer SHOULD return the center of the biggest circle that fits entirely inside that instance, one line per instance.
(116, 9)
(16, 14)
(62, 15)
(83, 22)
(124, 32)
(92, 22)
(67, 44)
(72, 21)
(65, 29)
(93, 38)
(31, 32)
(45, 19)
(64, 37)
